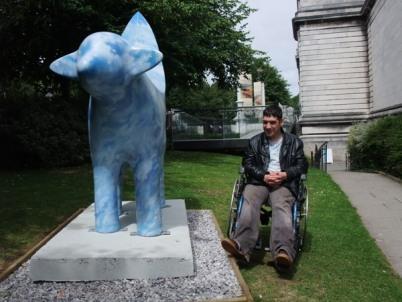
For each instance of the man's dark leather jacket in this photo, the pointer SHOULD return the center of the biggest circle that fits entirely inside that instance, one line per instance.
(291, 158)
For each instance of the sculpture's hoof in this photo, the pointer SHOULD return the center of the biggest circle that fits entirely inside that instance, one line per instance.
(149, 233)
(108, 229)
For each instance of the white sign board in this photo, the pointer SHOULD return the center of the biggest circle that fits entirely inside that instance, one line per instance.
(330, 159)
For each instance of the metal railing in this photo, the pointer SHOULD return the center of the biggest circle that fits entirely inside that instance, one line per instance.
(236, 123)
(319, 157)
(347, 161)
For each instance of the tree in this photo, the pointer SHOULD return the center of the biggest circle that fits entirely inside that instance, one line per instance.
(276, 87)
(205, 97)
(34, 33)
(295, 103)
(210, 105)
(200, 36)
(196, 37)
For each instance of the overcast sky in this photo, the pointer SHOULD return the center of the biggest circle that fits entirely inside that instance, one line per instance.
(271, 27)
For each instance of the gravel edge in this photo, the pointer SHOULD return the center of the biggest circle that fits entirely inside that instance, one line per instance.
(214, 278)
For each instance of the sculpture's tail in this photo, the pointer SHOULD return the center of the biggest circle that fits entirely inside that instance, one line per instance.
(138, 34)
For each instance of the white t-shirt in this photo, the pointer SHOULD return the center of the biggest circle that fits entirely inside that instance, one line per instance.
(274, 150)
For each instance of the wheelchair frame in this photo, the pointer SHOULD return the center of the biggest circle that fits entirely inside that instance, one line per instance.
(299, 209)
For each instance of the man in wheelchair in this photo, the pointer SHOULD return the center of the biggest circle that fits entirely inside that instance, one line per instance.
(273, 163)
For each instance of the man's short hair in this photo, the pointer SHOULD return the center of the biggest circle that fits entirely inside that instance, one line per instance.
(273, 110)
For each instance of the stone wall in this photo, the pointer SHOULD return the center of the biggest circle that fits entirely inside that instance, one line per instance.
(350, 66)
(333, 69)
(385, 53)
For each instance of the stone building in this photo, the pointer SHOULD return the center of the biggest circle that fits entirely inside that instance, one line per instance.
(350, 66)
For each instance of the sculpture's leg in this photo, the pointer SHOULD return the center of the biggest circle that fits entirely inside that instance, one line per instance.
(148, 209)
(120, 191)
(162, 180)
(162, 189)
(106, 212)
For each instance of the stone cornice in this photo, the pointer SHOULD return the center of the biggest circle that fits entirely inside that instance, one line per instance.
(331, 12)
(332, 118)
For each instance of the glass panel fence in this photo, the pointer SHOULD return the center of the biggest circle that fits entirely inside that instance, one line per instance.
(243, 122)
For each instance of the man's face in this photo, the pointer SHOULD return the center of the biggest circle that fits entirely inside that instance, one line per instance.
(272, 126)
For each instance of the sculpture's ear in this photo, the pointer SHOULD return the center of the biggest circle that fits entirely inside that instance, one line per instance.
(66, 66)
(143, 60)
(139, 34)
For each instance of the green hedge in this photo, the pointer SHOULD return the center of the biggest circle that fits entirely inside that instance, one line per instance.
(377, 145)
(39, 131)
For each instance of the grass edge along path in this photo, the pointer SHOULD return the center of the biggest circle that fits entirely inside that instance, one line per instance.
(341, 262)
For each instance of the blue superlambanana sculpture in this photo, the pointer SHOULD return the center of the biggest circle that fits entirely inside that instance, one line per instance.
(125, 79)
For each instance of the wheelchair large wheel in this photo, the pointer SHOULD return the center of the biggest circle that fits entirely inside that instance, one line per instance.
(302, 223)
(236, 195)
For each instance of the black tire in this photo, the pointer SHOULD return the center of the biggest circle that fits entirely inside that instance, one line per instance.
(303, 222)
(233, 209)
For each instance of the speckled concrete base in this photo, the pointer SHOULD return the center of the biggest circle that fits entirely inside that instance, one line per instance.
(214, 280)
(78, 253)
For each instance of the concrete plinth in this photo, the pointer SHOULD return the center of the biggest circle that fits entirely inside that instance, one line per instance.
(78, 253)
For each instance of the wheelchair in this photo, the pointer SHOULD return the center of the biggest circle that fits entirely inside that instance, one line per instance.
(299, 211)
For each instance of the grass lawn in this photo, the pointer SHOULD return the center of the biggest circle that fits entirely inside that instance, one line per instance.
(340, 262)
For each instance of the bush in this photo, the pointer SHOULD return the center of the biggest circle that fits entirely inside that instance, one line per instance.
(42, 131)
(377, 145)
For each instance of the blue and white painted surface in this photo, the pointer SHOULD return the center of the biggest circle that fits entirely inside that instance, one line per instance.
(125, 78)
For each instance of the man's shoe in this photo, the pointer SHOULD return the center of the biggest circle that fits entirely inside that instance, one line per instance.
(231, 247)
(282, 260)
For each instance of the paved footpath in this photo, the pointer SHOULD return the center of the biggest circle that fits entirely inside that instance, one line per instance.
(378, 200)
